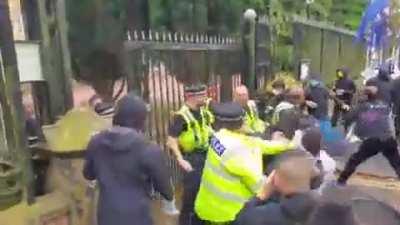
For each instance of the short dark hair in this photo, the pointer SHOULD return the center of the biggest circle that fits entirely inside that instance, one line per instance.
(279, 84)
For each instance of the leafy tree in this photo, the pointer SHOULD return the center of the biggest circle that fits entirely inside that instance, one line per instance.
(96, 33)
(347, 13)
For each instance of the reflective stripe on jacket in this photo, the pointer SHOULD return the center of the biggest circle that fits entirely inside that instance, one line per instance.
(253, 123)
(233, 173)
(198, 132)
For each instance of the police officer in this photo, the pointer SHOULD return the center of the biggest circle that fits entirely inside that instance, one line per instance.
(375, 127)
(188, 139)
(343, 90)
(233, 171)
(253, 123)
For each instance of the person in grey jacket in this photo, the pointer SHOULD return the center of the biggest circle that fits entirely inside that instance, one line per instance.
(125, 164)
(374, 126)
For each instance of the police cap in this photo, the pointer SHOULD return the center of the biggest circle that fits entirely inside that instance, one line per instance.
(196, 89)
(228, 111)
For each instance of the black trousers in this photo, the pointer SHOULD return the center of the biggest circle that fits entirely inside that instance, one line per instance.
(338, 113)
(397, 123)
(191, 185)
(369, 148)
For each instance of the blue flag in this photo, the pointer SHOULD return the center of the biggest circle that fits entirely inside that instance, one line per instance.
(374, 9)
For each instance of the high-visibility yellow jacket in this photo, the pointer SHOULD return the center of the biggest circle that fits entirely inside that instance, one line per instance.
(233, 173)
(252, 121)
(198, 132)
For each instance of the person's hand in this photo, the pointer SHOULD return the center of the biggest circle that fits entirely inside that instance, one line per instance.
(185, 165)
(268, 187)
(278, 135)
(340, 92)
(346, 107)
(311, 104)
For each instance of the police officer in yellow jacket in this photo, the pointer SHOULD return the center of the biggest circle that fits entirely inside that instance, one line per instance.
(252, 122)
(189, 139)
(233, 171)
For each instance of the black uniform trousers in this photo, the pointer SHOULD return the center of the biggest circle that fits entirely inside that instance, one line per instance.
(191, 186)
(338, 112)
(369, 148)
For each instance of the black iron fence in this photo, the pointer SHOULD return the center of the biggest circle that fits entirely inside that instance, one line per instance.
(160, 64)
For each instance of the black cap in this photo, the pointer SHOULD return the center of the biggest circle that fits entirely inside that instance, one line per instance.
(196, 89)
(229, 111)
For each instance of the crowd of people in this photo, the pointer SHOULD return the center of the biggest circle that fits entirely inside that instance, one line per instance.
(240, 168)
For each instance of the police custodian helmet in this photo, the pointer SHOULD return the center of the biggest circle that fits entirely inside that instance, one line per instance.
(228, 112)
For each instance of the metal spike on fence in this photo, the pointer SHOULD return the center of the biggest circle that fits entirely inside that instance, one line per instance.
(192, 38)
(143, 35)
(135, 35)
(128, 35)
(164, 36)
(186, 38)
(202, 38)
(169, 37)
(175, 37)
(157, 36)
(150, 35)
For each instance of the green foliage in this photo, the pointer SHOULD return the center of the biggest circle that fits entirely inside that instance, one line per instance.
(347, 13)
(201, 15)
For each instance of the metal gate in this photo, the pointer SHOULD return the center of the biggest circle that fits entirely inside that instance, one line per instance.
(160, 64)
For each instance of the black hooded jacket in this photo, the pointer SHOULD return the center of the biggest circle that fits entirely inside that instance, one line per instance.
(384, 84)
(293, 210)
(124, 163)
(346, 84)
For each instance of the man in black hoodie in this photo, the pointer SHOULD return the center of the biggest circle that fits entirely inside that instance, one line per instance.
(291, 181)
(384, 84)
(124, 163)
(344, 90)
(374, 126)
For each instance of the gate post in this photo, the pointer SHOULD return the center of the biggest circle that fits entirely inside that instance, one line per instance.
(249, 46)
(12, 116)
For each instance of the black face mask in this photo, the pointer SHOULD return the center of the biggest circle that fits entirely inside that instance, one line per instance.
(371, 97)
(383, 76)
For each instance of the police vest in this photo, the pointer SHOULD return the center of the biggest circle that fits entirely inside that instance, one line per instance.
(197, 135)
(252, 120)
(232, 174)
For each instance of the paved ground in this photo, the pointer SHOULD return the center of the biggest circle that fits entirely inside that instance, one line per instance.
(377, 165)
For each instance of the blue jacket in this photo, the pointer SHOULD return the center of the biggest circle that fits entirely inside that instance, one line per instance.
(125, 164)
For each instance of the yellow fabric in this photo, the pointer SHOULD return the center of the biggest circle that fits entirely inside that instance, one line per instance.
(197, 134)
(74, 130)
(252, 121)
(233, 173)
